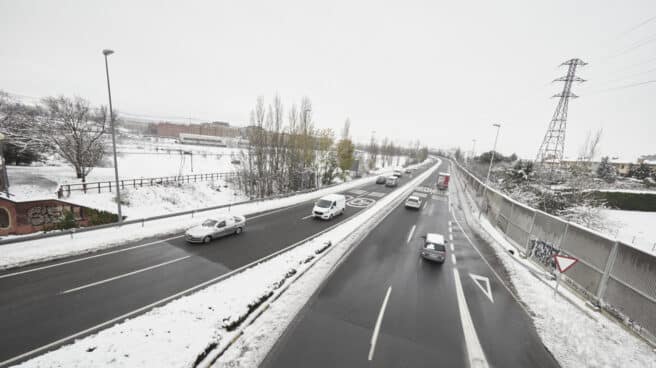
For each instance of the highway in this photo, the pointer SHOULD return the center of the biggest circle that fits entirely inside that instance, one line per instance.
(386, 307)
(43, 305)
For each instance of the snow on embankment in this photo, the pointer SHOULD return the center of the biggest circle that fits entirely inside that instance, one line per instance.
(192, 330)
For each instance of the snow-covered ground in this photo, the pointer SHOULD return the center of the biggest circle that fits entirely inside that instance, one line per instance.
(142, 158)
(573, 337)
(635, 228)
(175, 334)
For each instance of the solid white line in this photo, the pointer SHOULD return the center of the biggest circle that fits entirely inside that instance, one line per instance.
(90, 257)
(453, 258)
(475, 353)
(374, 337)
(412, 231)
(124, 275)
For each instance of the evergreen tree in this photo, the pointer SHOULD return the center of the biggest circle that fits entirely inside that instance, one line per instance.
(640, 172)
(606, 171)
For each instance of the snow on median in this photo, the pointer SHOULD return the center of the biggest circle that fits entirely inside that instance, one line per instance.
(202, 324)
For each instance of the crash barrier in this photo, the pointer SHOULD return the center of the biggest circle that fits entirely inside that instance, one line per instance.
(610, 274)
(109, 186)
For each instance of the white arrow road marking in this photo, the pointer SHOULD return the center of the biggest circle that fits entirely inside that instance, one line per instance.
(486, 290)
(475, 353)
(374, 337)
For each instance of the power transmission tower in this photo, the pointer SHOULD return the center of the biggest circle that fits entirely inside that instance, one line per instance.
(553, 145)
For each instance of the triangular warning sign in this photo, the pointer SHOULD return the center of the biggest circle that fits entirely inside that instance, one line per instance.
(564, 263)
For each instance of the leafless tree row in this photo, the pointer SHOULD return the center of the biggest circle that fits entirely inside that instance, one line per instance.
(69, 127)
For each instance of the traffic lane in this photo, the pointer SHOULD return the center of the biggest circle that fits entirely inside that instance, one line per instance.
(335, 327)
(338, 322)
(98, 308)
(422, 324)
(505, 330)
(38, 285)
(36, 324)
(266, 235)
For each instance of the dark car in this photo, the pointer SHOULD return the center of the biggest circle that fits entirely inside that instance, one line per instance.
(381, 180)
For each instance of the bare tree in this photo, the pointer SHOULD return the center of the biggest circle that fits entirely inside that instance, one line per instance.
(75, 131)
(589, 148)
(21, 124)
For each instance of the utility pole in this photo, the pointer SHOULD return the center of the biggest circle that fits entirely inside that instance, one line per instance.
(5, 177)
(107, 52)
(487, 179)
(553, 145)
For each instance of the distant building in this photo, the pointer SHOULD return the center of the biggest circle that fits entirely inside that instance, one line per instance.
(173, 130)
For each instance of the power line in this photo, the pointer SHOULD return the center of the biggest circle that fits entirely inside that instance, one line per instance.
(622, 87)
(637, 26)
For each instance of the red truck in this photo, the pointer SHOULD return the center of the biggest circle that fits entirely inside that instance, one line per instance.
(443, 181)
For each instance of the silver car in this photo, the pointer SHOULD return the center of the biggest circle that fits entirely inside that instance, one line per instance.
(434, 248)
(215, 228)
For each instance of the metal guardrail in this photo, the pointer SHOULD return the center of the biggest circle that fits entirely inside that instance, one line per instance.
(100, 186)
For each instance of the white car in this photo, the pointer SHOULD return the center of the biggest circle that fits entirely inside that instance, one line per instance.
(215, 228)
(413, 202)
(329, 206)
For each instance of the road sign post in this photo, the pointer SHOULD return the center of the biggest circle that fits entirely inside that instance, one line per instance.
(563, 263)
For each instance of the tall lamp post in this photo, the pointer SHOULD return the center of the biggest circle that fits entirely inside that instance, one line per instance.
(487, 179)
(5, 177)
(473, 154)
(108, 52)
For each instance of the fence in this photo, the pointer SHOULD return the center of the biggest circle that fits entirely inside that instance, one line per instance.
(100, 186)
(617, 277)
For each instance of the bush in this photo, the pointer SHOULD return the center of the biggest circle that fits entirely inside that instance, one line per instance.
(100, 217)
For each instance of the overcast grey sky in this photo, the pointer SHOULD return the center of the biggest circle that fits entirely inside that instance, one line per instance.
(438, 71)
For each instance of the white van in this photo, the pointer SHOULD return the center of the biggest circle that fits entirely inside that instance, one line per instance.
(329, 206)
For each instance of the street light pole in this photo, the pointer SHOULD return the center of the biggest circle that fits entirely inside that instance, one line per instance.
(487, 179)
(5, 177)
(107, 52)
(473, 154)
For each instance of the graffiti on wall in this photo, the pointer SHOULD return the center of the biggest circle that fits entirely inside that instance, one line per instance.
(43, 215)
(543, 253)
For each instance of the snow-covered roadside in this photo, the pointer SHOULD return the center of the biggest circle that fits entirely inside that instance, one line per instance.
(32, 251)
(565, 328)
(175, 334)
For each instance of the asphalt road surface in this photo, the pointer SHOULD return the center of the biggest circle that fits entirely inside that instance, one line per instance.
(45, 303)
(386, 307)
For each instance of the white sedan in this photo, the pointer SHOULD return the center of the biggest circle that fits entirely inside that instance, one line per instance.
(413, 202)
(215, 228)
